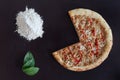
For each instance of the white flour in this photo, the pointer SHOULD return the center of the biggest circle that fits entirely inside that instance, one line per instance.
(29, 24)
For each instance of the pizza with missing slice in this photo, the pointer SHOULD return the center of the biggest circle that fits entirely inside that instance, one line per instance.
(95, 42)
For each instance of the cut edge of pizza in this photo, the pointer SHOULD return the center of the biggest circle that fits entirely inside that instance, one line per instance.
(95, 42)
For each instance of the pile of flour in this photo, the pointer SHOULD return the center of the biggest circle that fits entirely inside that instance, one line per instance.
(29, 24)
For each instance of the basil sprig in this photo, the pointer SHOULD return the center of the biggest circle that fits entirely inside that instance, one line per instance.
(29, 65)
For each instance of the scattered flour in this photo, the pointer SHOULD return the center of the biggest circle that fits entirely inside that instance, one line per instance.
(29, 24)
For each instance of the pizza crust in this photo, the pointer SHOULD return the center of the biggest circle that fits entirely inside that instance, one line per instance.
(107, 47)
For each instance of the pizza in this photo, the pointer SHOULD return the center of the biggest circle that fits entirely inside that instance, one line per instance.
(95, 41)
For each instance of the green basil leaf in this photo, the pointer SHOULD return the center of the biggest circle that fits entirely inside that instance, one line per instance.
(28, 57)
(31, 71)
(29, 63)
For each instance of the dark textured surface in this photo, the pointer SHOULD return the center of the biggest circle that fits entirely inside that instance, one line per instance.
(59, 33)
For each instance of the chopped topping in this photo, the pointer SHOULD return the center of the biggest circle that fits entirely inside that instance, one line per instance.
(97, 45)
(93, 32)
(90, 21)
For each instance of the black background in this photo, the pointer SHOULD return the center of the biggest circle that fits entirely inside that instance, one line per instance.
(59, 33)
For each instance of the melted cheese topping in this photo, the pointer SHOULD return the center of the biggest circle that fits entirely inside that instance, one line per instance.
(92, 41)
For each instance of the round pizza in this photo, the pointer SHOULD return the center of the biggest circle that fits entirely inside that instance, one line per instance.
(95, 42)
